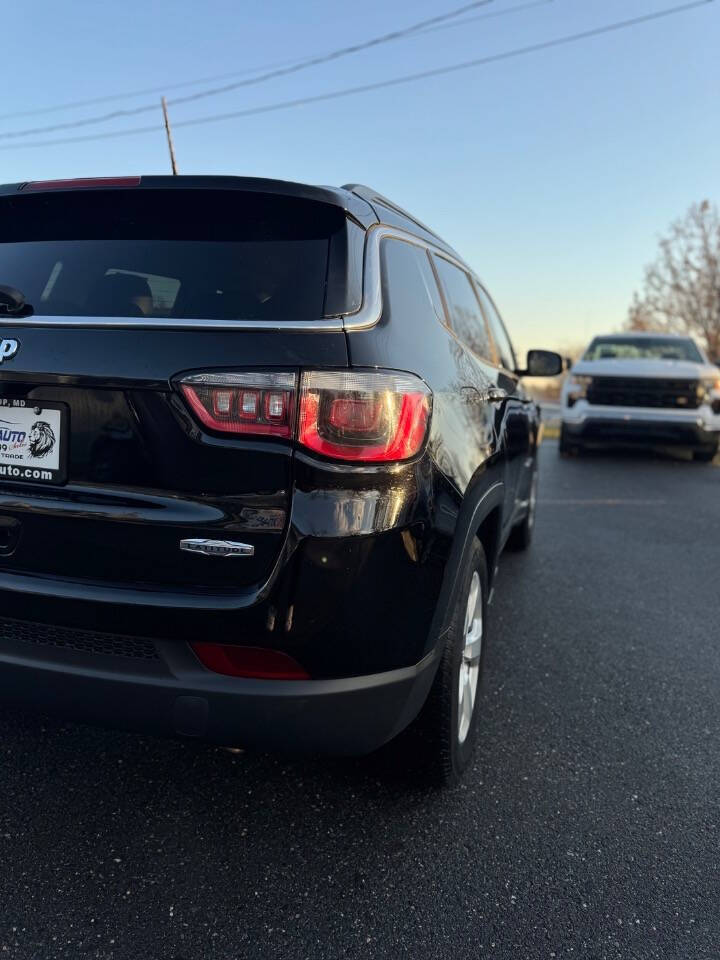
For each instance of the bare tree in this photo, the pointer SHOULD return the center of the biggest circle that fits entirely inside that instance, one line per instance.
(682, 287)
(640, 316)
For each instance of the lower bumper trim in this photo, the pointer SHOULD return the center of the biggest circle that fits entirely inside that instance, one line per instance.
(348, 716)
(657, 432)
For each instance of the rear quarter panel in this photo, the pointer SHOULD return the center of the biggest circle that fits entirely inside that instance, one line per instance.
(465, 439)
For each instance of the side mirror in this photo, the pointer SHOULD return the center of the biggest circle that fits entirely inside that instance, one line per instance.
(542, 363)
(12, 303)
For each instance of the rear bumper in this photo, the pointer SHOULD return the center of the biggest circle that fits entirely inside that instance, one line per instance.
(640, 426)
(175, 696)
(353, 591)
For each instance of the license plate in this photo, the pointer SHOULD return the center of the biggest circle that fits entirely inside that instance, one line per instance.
(32, 442)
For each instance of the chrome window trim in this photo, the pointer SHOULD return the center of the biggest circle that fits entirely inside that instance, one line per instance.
(371, 310)
(332, 324)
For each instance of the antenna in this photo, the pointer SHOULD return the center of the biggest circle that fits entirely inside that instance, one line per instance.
(168, 131)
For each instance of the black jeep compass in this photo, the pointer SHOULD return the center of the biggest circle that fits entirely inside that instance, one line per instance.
(261, 445)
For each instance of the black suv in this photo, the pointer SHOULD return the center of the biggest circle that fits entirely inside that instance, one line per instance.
(261, 445)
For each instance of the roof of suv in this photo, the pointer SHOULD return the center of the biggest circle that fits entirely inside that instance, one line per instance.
(362, 203)
(351, 203)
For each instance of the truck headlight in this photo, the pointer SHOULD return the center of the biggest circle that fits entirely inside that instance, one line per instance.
(577, 388)
(709, 392)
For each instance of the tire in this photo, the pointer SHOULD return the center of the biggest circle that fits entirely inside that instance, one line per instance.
(444, 732)
(706, 454)
(521, 535)
(564, 447)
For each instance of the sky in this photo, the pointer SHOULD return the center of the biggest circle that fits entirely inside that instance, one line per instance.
(554, 173)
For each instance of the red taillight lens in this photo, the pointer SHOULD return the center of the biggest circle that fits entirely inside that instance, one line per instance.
(258, 403)
(363, 416)
(356, 416)
(251, 662)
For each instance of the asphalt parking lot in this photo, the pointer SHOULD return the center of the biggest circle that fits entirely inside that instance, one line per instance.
(588, 827)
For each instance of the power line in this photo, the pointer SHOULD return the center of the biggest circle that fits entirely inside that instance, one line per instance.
(486, 16)
(281, 71)
(337, 54)
(179, 85)
(395, 81)
(146, 91)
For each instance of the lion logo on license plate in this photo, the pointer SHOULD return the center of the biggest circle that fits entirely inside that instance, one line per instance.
(41, 440)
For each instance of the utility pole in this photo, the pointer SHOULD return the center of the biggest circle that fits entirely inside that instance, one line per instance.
(168, 131)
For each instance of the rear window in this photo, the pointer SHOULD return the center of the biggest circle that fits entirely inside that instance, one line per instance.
(643, 348)
(171, 254)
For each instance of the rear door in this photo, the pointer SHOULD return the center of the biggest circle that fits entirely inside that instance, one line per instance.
(518, 408)
(137, 463)
(479, 384)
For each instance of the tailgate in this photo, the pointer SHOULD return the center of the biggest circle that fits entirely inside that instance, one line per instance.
(130, 471)
(141, 475)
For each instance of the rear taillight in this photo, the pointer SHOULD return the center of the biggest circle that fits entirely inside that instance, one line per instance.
(354, 415)
(259, 403)
(253, 662)
(363, 416)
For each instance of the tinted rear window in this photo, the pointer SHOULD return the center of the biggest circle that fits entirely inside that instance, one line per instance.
(169, 254)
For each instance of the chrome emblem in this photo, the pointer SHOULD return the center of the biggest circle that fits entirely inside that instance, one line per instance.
(8, 349)
(218, 548)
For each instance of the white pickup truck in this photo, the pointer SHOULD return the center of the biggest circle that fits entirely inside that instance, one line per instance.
(642, 388)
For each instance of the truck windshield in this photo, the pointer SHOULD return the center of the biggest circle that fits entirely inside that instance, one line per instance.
(205, 255)
(647, 348)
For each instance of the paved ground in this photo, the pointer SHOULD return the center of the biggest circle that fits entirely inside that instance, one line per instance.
(587, 828)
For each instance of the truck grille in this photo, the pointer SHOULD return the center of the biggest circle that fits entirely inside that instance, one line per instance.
(84, 641)
(643, 392)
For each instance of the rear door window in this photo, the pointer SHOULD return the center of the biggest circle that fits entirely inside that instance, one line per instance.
(205, 255)
(464, 311)
(497, 328)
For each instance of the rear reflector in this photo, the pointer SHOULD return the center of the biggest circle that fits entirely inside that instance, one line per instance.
(251, 662)
(83, 183)
(351, 415)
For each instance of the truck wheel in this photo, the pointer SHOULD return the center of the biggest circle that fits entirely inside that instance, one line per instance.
(521, 535)
(447, 725)
(566, 446)
(706, 454)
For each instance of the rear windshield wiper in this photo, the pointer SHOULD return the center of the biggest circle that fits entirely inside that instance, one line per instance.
(13, 303)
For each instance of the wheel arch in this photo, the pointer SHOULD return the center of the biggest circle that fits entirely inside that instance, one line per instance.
(480, 516)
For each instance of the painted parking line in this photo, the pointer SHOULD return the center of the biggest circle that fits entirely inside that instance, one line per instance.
(606, 502)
